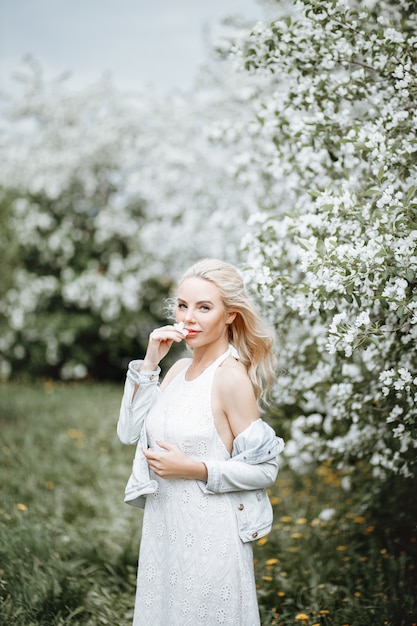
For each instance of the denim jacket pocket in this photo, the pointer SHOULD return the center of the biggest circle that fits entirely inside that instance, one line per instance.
(254, 514)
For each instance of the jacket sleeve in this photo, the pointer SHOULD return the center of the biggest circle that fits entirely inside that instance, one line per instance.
(133, 410)
(253, 464)
(233, 475)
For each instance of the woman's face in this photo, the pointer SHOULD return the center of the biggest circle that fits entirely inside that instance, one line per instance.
(200, 308)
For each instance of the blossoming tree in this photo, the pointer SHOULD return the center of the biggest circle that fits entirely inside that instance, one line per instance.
(109, 197)
(334, 143)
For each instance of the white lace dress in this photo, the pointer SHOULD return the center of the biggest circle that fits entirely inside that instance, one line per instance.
(193, 567)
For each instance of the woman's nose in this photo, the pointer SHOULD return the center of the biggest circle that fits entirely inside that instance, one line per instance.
(189, 315)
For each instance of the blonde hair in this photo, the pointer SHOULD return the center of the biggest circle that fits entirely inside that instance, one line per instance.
(248, 333)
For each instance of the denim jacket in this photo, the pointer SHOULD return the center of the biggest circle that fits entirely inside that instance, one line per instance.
(252, 467)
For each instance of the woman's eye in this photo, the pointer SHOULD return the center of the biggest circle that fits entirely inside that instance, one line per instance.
(204, 307)
(181, 306)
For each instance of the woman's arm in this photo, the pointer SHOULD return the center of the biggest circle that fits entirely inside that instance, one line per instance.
(141, 391)
(253, 464)
(225, 476)
(141, 387)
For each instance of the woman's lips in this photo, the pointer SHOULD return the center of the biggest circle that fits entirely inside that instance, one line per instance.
(192, 333)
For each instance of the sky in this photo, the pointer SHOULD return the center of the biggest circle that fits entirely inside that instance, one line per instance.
(160, 43)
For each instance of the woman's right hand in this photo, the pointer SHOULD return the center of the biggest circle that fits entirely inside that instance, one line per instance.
(160, 342)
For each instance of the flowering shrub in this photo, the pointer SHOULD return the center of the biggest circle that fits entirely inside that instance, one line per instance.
(335, 254)
(64, 174)
(109, 198)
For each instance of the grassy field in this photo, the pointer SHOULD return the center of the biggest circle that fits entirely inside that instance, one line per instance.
(69, 545)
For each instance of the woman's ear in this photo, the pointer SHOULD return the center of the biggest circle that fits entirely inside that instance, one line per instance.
(230, 317)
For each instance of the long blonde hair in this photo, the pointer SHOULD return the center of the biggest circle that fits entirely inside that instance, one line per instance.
(248, 333)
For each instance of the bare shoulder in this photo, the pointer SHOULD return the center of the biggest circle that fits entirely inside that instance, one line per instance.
(174, 370)
(232, 372)
(233, 383)
(234, 395)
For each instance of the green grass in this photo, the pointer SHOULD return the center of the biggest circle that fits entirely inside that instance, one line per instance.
(69, 545)
(357, 568)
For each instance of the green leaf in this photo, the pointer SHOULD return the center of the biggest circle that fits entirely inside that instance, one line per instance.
(411, 192)
(381, 174)
(409, 275)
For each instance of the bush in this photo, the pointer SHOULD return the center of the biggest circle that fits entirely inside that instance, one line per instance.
(334, 253)
(110, 198)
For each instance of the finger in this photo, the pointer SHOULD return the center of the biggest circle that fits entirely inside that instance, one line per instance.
(150, 454)
(167, 332)
(163, 445)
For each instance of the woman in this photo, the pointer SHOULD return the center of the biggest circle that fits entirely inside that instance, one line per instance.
(204, 456)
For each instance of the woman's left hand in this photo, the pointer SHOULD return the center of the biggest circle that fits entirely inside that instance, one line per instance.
(172, 463)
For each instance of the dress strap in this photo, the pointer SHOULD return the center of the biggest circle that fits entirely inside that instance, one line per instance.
(231, 351)
(209, 371)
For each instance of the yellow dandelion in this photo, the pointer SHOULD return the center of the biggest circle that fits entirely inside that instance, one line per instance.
(292, 549)
(357, 594)
(272, 561)
(296, 535)
(286, 519)
(262, 541)
(49, 485)
(21, 507)
(281, 594)
(301, 616)
(274, 500)
(301, 520)
(359, 520)
(267, 578)
(324, 612)
(341, 548)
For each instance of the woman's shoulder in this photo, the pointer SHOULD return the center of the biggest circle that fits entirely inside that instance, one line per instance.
(232, 375)
(235, 395)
